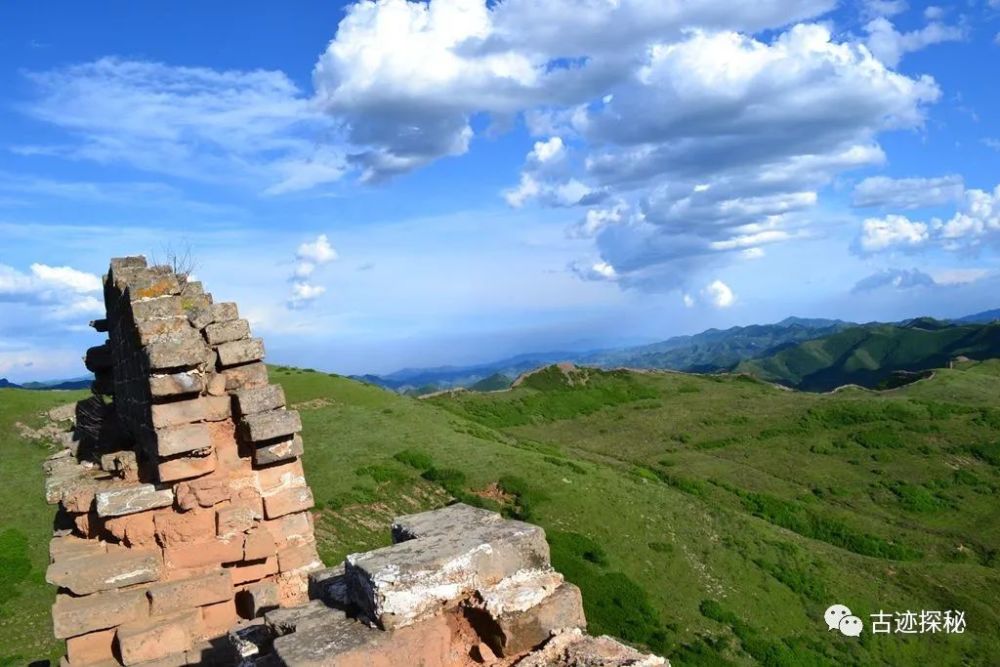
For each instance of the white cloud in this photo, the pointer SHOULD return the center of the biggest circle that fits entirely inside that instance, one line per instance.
(247, 127)
(899, 279)
(719, 294)
(309, 256)
(908, 193)
(892, 231)
(318, 252)
(598, 271)
(60, 292)
(688, 300)
(304, 293)
(547, 151)
(875, 8)
(934, 13)
(890, 45)
(963, 276)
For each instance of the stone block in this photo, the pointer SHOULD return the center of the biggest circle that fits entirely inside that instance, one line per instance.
(296, 499)
(158, 281)
(205, 492)
(152, 330)
(227, 332)
(399, 585)
(277, 478)
(98, 358)
(178, 413)
(202, 554)
(258, 544)
(243, 573)
(200, 317)
(295, 528)
(442, 521)
(235, 519)
(181, 439)
(121, 464)
(572, 649)
(520, 616)
(218, 618)
(315, 612)
(225, 311)
(270, 425)
(73, 616)
(154, 639)
(103, 572)
(245, 376)
(92, 648)
(160, 308)
(180, 527)
(273, 452)
(132, 499)
(100, 326)
(194, 592)
(176, 384)
(181, 350)
(240, 352)
(71, 546)
(135, 530)
(216, 384)
(260, 399)
(186, 467)
(302, 557)
(256, 599)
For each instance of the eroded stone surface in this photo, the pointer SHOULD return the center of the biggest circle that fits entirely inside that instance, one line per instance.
(129, 500)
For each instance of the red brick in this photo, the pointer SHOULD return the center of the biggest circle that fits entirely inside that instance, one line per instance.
(203, 492)
(185, 467)
(200, 554)
(134, 529)
(243, 574)
(178, 528)
(91, 648)
(299, 557)
(217, 619)
(195, 592)
(235, 519)
(288, 501)
(153, 639)
(73, 616)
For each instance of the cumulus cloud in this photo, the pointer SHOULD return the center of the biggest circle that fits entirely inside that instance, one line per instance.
(889, 45)
(60, 292)
(908, 193)
(719, 294)
(899, 279)
(309, 256)
(892, 231)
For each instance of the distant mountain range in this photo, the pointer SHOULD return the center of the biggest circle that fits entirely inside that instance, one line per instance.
(809, 354)
(73, 383)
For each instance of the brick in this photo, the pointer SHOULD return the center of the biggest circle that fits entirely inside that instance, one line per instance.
(225, 311)
(235, 519)
(185, 467)
(135, 530)
(217, 619)
(73, 616)
(299, 557)
(245, 573)
(169, 306)
(296, 528)
(122, 464)
(510, 626)
(227, 332)
(276, 452)
(154, 639)
(91, 648)
(194, 592)
(98, 358)
(259, 543)
(227, 449)
(179, 350)
(258, 598)
(205, 492)
(103, 572)
(203, 408)
(200, 317)
(71, 546)
(201, 554)
(240, 352)
(178, 528)
(180, 439)
(288, 501)
(157, 282)
(245, 376)
(260, 399)
(270, 425)
(276, 478)
(176, 384)
(216, 385)
(132, 499)
(152, 330)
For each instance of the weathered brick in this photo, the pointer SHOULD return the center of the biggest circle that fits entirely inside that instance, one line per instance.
(270, 425)
(180, 439)
(235, 519)
(186, 467)
(245, 376)
(201, 554)
(240, 352)
(200, 317)
(225, 311)
(245, 573)
(258, 544)
(72, 616)
(71, 546)
(91, 649)
(153, 639)
(203, 408)
(152, 330)
(132, 499)
(205, 492)
(187, 593)
(227, 332)
(218, 618)
(257, 598)
(260, 399)
(176, 384)
(287, 502)
(135, 530)
(276, 452)
(216, 384)
(299, 557)
(163, 307)
(98, 358)
(284, 476)
(103, 572)
(180, 527)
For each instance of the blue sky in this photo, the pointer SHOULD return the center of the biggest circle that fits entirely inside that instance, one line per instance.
(387, 184)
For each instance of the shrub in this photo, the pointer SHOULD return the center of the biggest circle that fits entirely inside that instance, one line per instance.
(415, 459)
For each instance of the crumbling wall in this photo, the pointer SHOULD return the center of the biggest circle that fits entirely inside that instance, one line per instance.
(182, 503)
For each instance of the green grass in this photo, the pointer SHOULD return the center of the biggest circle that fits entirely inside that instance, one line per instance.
(725, 553)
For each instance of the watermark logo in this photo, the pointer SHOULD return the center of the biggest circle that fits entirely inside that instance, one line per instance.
(839, 617)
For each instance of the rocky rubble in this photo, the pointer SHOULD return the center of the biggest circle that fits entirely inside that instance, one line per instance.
(183, 534)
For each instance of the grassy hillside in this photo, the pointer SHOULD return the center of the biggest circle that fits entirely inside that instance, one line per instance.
(870, 355)
(712, 518)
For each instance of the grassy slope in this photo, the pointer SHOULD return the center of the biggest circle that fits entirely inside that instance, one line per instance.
(645, 484)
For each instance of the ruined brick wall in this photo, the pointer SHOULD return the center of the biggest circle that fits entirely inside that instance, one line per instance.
(182, 504)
